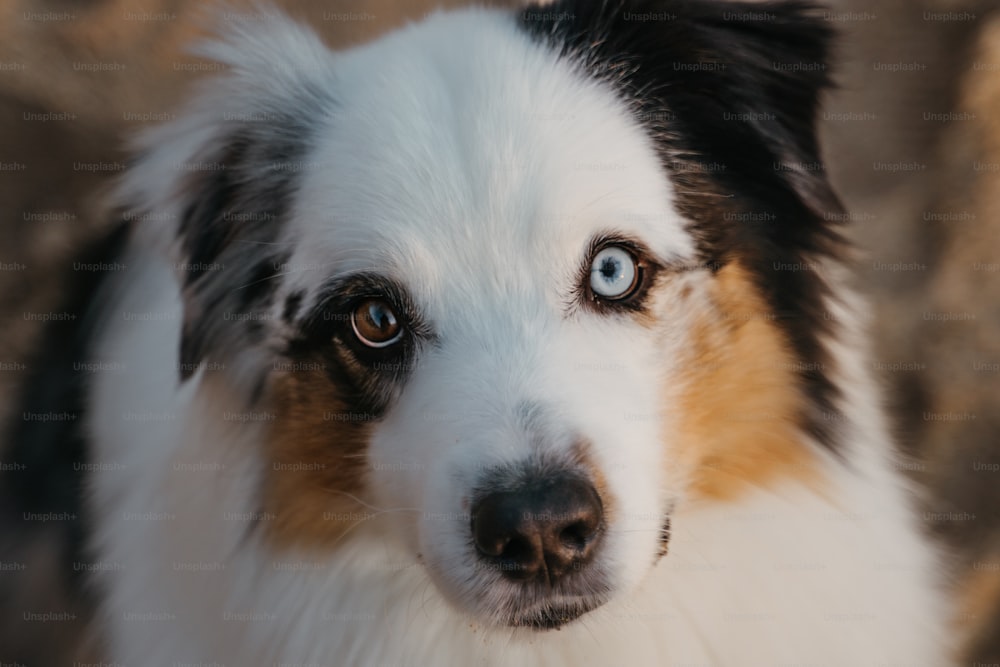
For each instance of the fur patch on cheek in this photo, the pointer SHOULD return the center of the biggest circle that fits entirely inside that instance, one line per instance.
(316, 458)
(741, 402)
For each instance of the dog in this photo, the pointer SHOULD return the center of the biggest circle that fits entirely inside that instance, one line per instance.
(510, 338)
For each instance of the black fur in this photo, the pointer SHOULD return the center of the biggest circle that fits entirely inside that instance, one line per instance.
(45, 435)
(729, 92)
(292, 305)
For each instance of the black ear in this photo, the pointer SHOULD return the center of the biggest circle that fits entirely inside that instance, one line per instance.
(229, 235)
(729, 91)
(226, 172)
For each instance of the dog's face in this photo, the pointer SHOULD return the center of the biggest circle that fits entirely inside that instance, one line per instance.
(504, 283)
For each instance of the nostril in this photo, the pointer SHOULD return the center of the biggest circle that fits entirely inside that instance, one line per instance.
(489, 540)
(518, 550)
(494, 547)
(577, 535)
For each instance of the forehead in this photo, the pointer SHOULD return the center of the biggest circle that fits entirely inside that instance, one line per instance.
(461, 146)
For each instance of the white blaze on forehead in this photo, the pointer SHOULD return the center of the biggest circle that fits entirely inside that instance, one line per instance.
(466, 160)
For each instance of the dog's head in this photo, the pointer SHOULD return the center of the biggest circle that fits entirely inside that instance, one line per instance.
(518, 284)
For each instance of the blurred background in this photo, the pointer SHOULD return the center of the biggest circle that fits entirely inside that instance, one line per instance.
(912, 140)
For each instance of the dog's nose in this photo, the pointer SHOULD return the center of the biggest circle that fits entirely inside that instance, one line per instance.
(542, 529)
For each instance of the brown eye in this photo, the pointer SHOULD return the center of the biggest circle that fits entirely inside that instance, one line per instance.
(375, 323)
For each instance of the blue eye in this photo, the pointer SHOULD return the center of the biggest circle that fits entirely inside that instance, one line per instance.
(613, 273)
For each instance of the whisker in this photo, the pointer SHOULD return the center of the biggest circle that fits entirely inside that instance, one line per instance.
(377, 510)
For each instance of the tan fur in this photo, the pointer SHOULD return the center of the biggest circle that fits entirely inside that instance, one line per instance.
(316, 463)
(978, 601)
(741, 401)
(596, 477)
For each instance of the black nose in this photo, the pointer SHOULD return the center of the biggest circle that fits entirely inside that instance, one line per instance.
(539, 530)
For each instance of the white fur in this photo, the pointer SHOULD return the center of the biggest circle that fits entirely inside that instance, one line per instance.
(466, 162)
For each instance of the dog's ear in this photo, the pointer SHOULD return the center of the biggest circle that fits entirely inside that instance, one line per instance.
(728, 90)
(221, 177)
